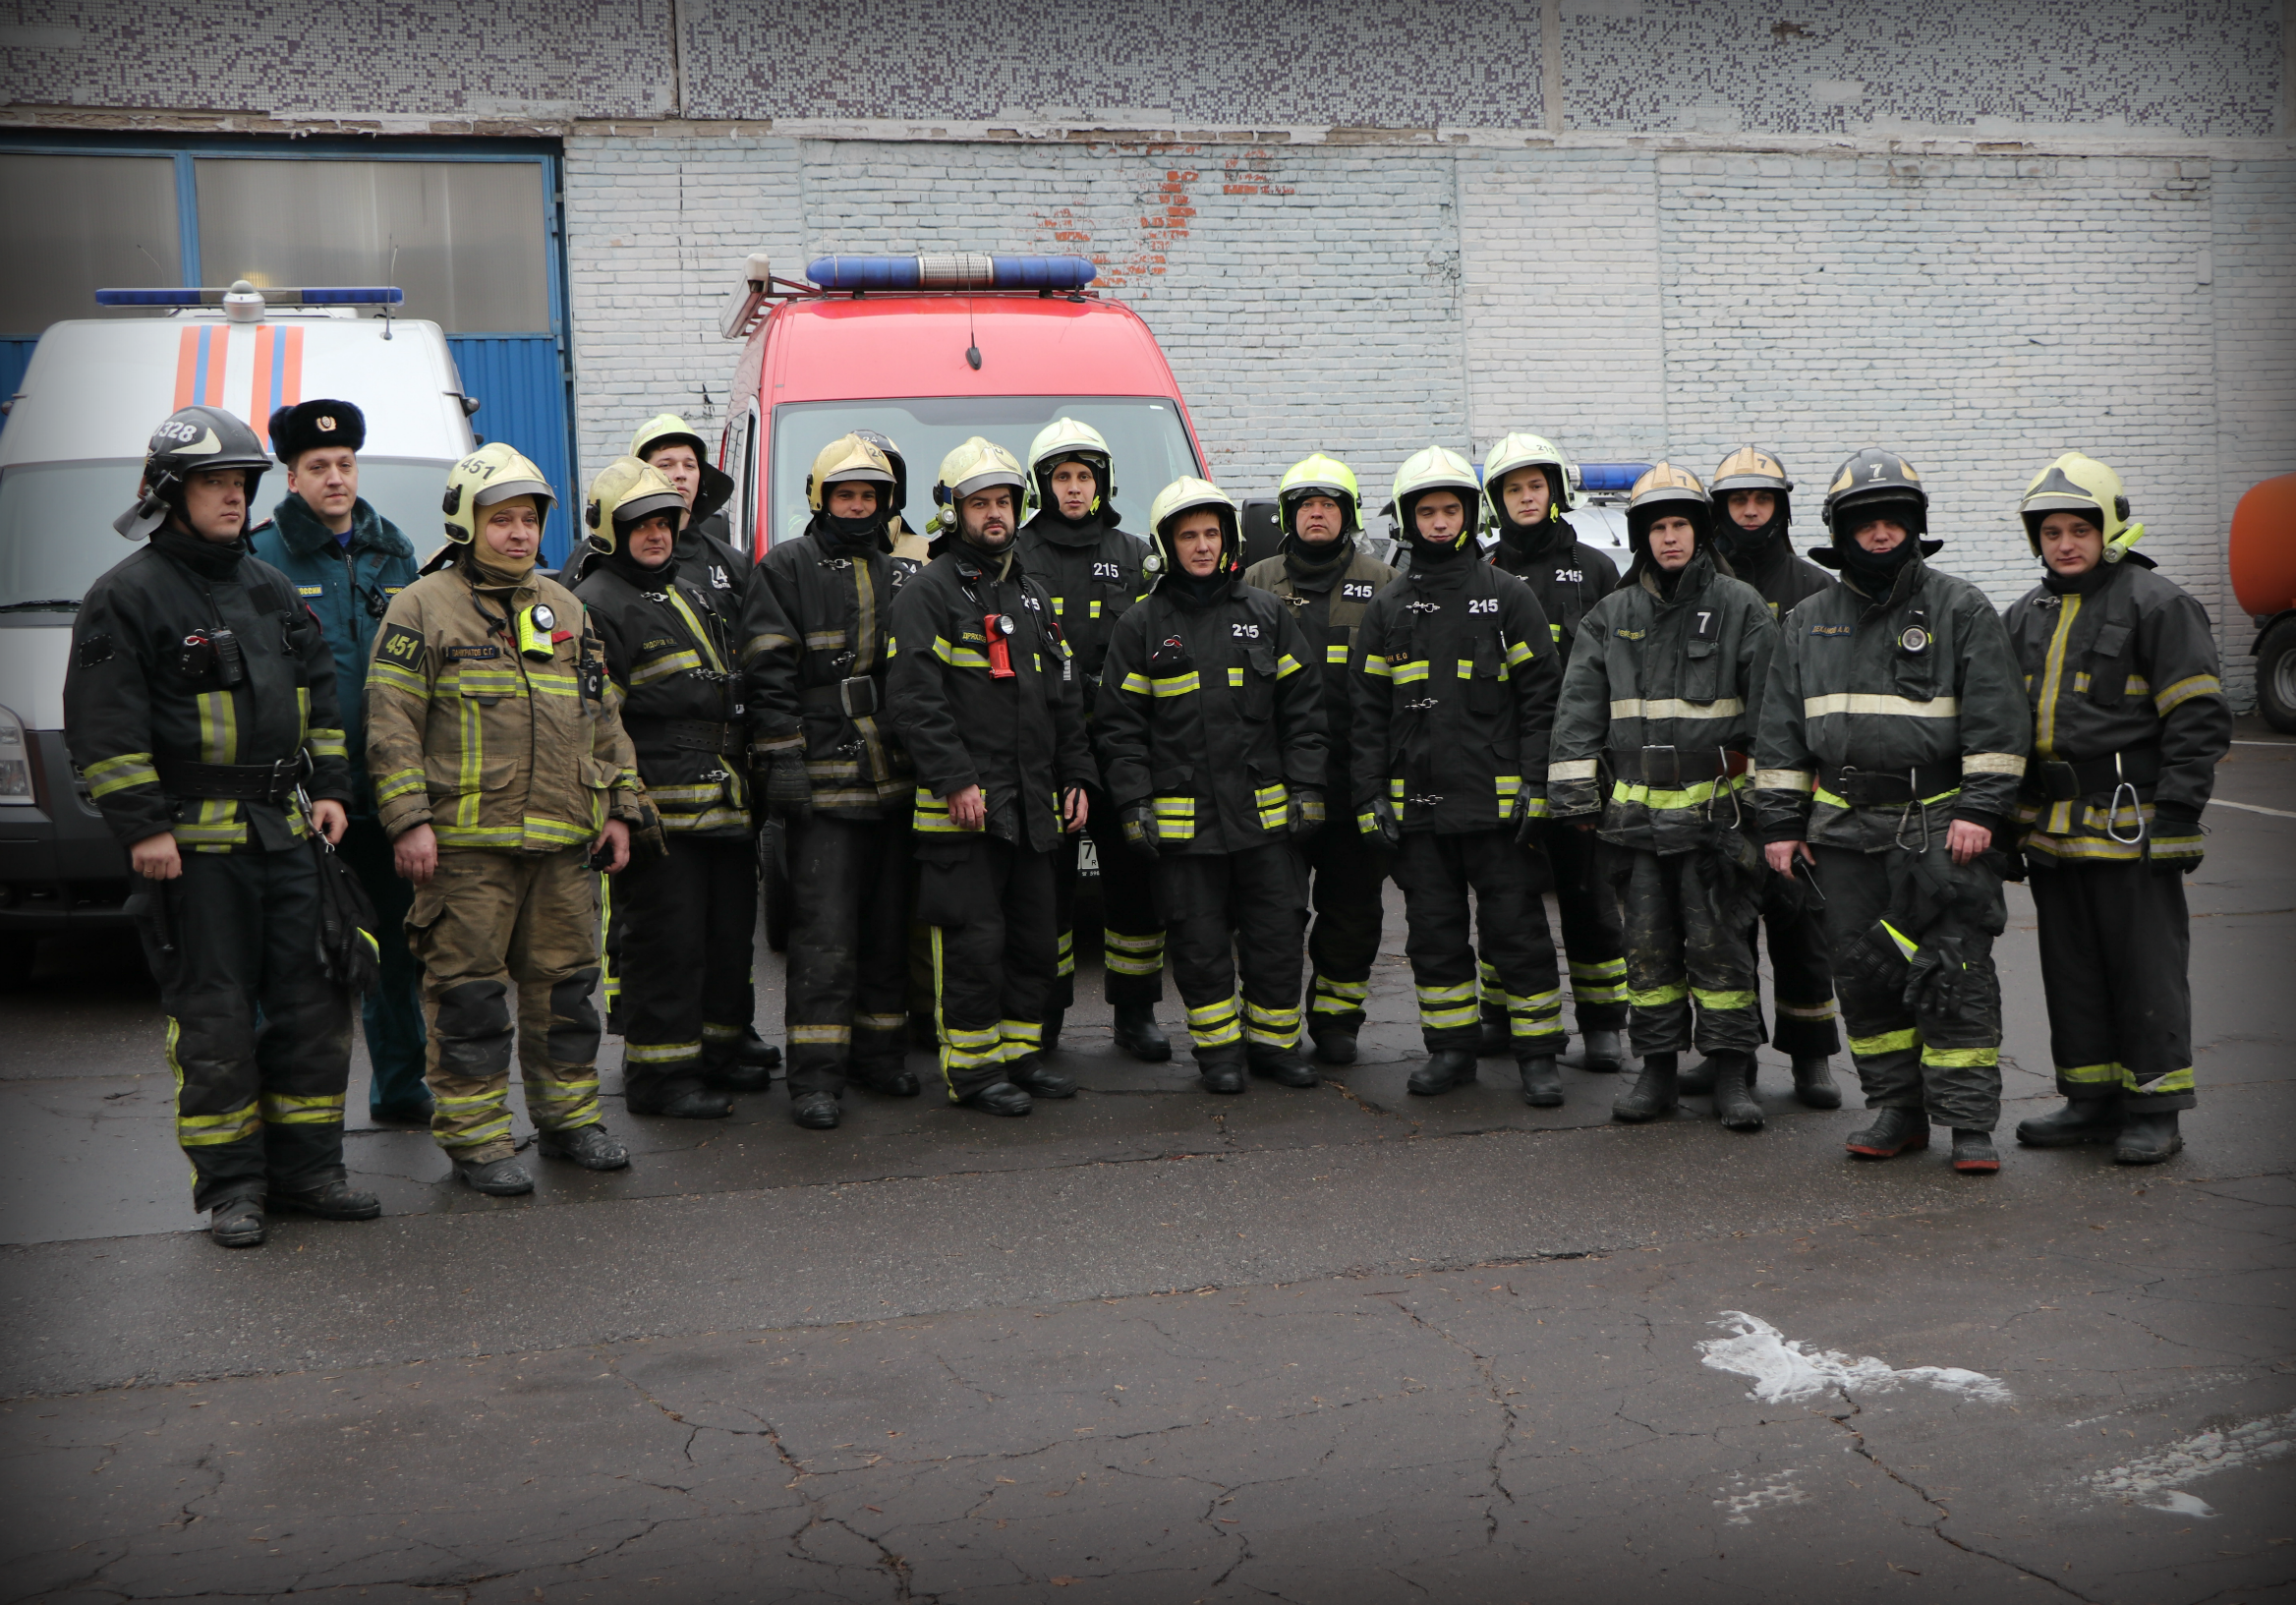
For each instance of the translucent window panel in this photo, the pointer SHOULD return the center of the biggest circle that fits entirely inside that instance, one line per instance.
(469, 236)
(80, 223)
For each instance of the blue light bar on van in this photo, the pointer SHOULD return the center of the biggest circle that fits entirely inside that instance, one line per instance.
(1609, 476)
(952, 270)
(347, 296)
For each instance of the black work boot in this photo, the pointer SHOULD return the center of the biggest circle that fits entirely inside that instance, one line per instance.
(416, 1111)
(1282, 1065)
(1049, 1034)
(1601, 1052)
(1224, 1075)
(331, 1200)
(723, 1073)
(502, 1178)
(676, 1098)
(2148, 1139)
(816, 1110)
(1542, 1083)
(1138, 1034)
(238, 1223)
(891, 1078)
(1446, 1067)
(1498, 1036)
(587, 1146)
(1893, 1133)
(1656, 1092)
(1733, 1104)
(1813, 1081)
(1698, 1079)
(1032, 1075)
(2081, 1120)
(999, 1098)
(1973, 1152)
(1334, 1044)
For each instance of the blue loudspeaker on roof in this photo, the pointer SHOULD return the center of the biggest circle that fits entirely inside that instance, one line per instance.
(1616, 478)
(952, 270)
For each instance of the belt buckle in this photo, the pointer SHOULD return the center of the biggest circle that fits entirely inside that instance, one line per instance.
(850, 692)
(1672, 767)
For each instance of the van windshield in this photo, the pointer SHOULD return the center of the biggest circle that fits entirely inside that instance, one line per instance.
(56, 536)
(1144, 434)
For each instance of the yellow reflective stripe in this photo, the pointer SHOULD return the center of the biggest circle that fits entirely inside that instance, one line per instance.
(1888, 1042)
(392, 674)
(1657, 997)
(1576, 769)
(1518, 651)
(1602, 969)
(659, 1052)
(471, 680)
(326, 743)
(1957, 1059)
(557, 833)
(1379, 667)
(662, 668)
(1287, 665)
(478, 836)
(1993, 763)
(956, 656)
(284, 1109)
(1867, 702)
(1235, 676)
(1676, 708)
(110, 774)
(215, 835)
(1803, 1012)
(1335, 651)
(1786, 779)
(1467, 668)
(1134, 683)
(2098, 1075)
(2185, 690)
(1447, 994)
(1622, 791)
(551, 683)
(2045, 730)
(214, 1130)
(767, 641)
(1722, 1000)
(1179, 685)
(1406, 672)
(701, 636)
(1831, 801)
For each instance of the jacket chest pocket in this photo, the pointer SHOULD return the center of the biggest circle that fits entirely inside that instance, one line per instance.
(1701, 670)
(1484, 668)
(2108, 664)
(1254, 681)
(1913, 670)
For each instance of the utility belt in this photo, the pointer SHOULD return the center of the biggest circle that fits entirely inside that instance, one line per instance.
(861, 695)
(243, 782)
(2060, 781)
(1887, 786)
(689, 734)
(1671, 768)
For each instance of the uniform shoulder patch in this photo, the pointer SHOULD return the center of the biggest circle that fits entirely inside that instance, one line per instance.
(400, 645)
(311, 590)
(96, 649)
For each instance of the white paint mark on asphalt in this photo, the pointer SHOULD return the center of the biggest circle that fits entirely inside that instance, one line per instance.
(1784, 1369)
(1766, 1492)
(2152, 1480)
(2251, 808)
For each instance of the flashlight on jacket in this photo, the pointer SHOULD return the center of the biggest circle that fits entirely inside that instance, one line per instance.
(997, 627)
(534, 633)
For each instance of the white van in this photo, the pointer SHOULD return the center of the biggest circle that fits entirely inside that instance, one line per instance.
(70, 458)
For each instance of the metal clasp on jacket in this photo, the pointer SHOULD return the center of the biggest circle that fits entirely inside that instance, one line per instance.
(1421, 706)
(2112, 809)
(835, 562)
(1417, 606)
(1434, 800)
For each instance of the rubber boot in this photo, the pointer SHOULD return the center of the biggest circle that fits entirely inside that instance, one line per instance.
(1000, 1098)
(502, 1178)
(587, 1146)
(2148, 1139)
(1972, 1152)
(678, 1099)
(1698, 1079)
(1049, 1034)
(1894, 1132)
(329, 1201)
(1282, 1065)
(816, 1110)
(1542, 1084)
(1813, 1081)
(1656, 1092)
(744, 1064)
(1334, 1044)
(238, 1223)
(415, 1111)
(1138, 1034)
(2081, 1120)
(1032, 1075)
(1446, 1067)
(1221, 1071)
(1733, 1104)
(1498, 1038)
(1601, 1052)
(891, 1078)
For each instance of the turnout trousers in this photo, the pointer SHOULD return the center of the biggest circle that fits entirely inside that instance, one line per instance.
(1349, 883)
(392, 1013)
(1690, 920)
(1594, 940)
(988, 906)
(1925, 1032)
(2115, 961)
(254, 1107)
(687, 919)
(1225, 911)
(484, 920)
(1132, 937)
(1801, 981)
(1437, 872)
(845, 1009)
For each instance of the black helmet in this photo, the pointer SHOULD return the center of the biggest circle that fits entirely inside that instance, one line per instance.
(900, 468)
(192, 440)
(1872, 483)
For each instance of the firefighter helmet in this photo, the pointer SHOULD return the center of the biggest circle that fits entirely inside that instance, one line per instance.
(666, 429)
(896, 461)
(1873, 483)
(1749, 467)
(1320, 475)
(977, 465)
(192, 440)
(492, 473)
(626, 492)
(1667, 491)
(1067, 440)
(1436, 468)
(1513, 451)
(2080, 484)
(1182, 495)
(850, 459)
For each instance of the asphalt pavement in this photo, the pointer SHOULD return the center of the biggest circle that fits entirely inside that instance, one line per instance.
(1149, 1346)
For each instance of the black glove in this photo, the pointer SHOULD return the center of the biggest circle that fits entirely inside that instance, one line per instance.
(2173, 844)
(647, 837)
(1307, 813)
(788, 791)
(1383, 822)
(1141, 834)
(1529, 824)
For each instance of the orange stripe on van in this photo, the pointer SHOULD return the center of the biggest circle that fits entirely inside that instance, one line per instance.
(187, 367)
(259, 400)
(291, 380)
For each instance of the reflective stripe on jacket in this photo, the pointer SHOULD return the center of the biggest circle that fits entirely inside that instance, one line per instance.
(1092, 578)
(1329, 610)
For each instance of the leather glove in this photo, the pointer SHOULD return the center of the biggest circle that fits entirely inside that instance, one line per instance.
(788, 792)
(647, 838)
(1529, 826)
(1383, 822)
(1307, 813)
(1140, 833)
(2174, 845)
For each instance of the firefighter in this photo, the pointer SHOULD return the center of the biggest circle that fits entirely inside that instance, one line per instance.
(838, 780)
(1666, 688)
(1893, 735)
(2129, 724)
(1752, 495)
(200, 696)
(1211, 734)
(494, 740)
(1453, 698)
(986, 697)
(670, 649)
(346, 561)
(1076, 548)
(1526, 490)
(1325, 580)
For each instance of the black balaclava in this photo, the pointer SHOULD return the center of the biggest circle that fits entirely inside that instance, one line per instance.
(865, 532)
(1875, 573)
(1424, 551)
(1204, 588)
(1533, 540)
(620, 560)
(211, 559)
(1750, 549)
(1701, 517)
(1058, 524)
(1315, 568)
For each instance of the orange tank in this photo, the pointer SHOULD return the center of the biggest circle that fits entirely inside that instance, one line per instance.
(2264, 547)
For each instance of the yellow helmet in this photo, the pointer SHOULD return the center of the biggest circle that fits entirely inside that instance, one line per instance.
(2078, 484)
(664, 430)
(975, 466)
(1183, 496)
(1749, 467)
(1320, 475)
(849, 457)
(492, 473)
(1437, 467)
(1060, 440)
(626, 492)
(1513, 451)
(1667, 491)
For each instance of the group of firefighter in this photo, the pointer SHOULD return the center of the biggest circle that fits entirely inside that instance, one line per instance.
(1726, 738)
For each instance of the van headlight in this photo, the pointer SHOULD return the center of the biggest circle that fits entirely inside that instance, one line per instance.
(15, 763)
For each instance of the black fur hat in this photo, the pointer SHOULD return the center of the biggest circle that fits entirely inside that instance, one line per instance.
(309, 425)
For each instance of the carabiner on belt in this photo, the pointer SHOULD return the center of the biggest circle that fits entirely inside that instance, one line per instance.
(2112, 809)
